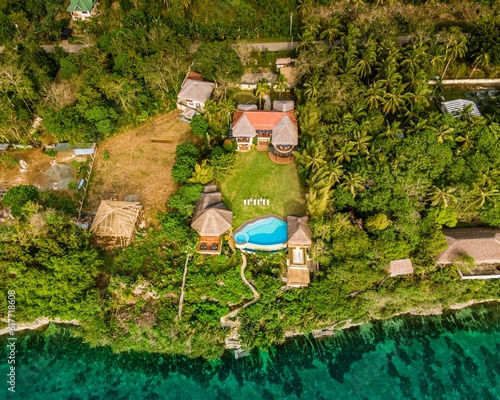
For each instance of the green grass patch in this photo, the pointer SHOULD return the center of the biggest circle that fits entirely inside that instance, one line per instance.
(255, 175)
(243, 97)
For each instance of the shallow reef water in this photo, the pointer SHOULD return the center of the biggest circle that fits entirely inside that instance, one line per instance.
(449, 356)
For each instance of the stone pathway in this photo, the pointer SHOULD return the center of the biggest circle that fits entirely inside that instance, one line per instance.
(232, 341)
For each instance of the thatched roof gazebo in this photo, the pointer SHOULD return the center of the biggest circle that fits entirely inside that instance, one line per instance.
(116, 219)
(211, 219)
(299, 240)
(299, 233)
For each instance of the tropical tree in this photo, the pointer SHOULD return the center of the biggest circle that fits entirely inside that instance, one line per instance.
(455, 45)
(353, 182)
(262, 89)
(344, 152)
(441, 197)
(280, 84)
(312, 156)
(312, 86)
(203, 173)
(481, 60)
(332, 31)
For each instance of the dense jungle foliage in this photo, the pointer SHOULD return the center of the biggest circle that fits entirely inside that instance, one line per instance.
(384, 170)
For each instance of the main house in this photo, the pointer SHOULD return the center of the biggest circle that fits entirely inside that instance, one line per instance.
(82, 9)
(277, 128)
(193, 95)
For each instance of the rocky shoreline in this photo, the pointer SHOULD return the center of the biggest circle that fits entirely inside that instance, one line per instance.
(37, 323)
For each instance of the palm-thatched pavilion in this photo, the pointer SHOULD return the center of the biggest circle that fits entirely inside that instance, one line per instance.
(211, 219)
(116, 219)
(299, 241)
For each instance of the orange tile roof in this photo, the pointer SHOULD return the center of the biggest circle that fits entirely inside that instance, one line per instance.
(264, 120)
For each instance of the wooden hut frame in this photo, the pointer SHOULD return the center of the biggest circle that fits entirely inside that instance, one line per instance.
(116, 219)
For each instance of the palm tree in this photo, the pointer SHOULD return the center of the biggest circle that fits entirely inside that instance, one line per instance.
(353, 182)
(360, 142)
(439, 196)
(304, 8)
(394, 99)
(455, 47)
(374, 96)
(203, 173)
(392, 130)
(313, 26)
(226, 110)
(482, 60)
(332, 31)
(262, 90)
(483, 194)
(344, 153)
(467, 140)
(444, 133)
(312, 156)
(306, 39)
(318, 201)
(313, 86)
(367, 60)
(280, 84)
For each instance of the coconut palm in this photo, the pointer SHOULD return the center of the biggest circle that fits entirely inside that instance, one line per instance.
(483, 194)
(394, 99)
(306, 39)
(353, 182)
(262, 89)
(226, 110)
(312, 86)
(332, 30)
(312, 156)
(480, 61)
(439, 196)
(392, 130)
(280, 85)
(367, 60)
(374, 96)
(360, 142)
(318, 201)
(467, 140)
(455, 44)
(304, 8)
(344, 152)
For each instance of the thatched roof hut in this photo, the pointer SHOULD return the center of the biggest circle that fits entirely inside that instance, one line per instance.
(211, 217)
(116, 219)
(482, 244)
(285, 133)
(401, 267)
(299, 233)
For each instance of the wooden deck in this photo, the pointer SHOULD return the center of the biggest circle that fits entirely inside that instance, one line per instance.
(279, 160)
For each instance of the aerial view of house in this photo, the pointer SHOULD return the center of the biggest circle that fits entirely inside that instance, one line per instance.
(249, 199)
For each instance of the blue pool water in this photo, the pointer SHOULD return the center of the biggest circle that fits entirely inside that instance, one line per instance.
(267, 232)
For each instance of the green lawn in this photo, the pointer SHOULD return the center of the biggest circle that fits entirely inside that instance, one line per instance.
(255, 175)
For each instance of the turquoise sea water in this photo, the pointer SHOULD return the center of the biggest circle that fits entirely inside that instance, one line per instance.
(266, 232)
(454, 356)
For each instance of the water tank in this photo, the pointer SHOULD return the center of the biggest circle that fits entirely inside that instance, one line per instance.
(283, 105)
(247, 107)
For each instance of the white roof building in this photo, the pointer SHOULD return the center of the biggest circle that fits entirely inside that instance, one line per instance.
(456, 107)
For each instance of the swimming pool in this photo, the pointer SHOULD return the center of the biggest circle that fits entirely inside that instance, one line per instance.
(267, 233)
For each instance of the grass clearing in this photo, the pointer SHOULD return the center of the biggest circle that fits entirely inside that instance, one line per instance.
(255, 175)
(138, 161)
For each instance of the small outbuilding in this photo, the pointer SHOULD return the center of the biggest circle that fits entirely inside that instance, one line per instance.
(195, 92)
(116, 219)
(299, 242)
(211, 219)
(401, 267)
(457, 107)
(82, 9)
(481, 244)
